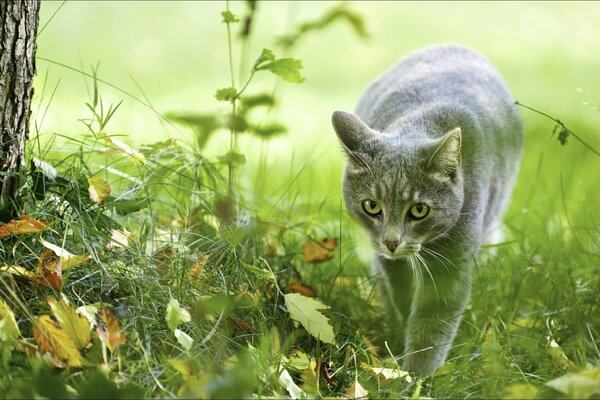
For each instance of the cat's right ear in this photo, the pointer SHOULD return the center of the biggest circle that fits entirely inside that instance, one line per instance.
(351, 130)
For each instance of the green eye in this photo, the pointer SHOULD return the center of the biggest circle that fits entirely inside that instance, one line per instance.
(419, 211)
(371, 207)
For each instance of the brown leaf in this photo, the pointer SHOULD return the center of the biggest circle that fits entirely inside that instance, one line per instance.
(298, 287)
(319, 251)
(51, 338)
(74, 325)
(21, 226)
(109, 330)
(66, 259)
(49, 270)
(245, 325)
(197, 268)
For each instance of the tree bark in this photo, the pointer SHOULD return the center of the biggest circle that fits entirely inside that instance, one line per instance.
(18, 29)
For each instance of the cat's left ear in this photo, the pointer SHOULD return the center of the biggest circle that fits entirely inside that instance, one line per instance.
(351, 130)
(446, 155)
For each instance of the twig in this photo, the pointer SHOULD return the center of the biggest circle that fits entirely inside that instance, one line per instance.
(562, 125)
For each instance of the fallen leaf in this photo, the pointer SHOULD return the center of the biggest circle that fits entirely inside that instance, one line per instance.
(310, 378)
(319, 251)
(119, 239)
(286, 380)
(175, 315)
(197, 268)
(109, 329)
(305, 310)
(580, 385)
(520, 391)
(49, 270)
(22, 226)
(124, 148)
(184, 339)
(9, 330)
(392, 373)
(300, 288)
(67, 260)
(74, 325)
(356, 391)
(99, 189)
(51, 338)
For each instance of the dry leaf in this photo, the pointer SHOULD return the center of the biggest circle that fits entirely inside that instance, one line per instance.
(74, 325)
(21, 226)
(54, 340)
(109, 330)
(197, 268)
(319, 251)
(67, 260)
(356, 391)
(99, 189)
(119, 239)
(49, 270)
(124, 148)
(300, 288)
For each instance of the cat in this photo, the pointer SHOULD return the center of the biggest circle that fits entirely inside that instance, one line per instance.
(433, 153)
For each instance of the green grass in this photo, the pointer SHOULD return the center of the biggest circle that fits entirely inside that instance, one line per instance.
(534, 313)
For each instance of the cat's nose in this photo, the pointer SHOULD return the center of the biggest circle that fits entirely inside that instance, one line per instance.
(391, 245)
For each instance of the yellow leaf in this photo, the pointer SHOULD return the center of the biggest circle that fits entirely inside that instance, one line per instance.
(54, 340)
(119, 239)
(356, 391)
(109, 330)
(21, 226)
(392, 373)
(320, 251)
(67, 260)
(124, 148)
(9, 330)
(305, 310)
(74, 325)
(99, 189)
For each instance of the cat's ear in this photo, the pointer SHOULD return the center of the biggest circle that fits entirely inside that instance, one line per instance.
(446, 154)
(351, 130)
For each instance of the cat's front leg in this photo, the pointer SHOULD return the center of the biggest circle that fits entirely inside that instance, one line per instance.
(439, 301)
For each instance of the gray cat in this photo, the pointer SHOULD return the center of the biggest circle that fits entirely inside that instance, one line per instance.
(433, 153)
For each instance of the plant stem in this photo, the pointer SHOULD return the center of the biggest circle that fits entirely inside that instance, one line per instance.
(560, 123)
(232, 141)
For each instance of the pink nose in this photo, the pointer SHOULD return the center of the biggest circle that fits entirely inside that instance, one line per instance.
(391, 245)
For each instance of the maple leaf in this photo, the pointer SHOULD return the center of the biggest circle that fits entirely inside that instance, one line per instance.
(74, 325)
(52, 339)
(9, 329)
(67, 260)
(21, 226)
(319, 251)
(109, 329)
(49, 270)
(99, 189)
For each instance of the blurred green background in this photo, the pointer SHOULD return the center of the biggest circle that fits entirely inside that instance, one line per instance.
(174, 54)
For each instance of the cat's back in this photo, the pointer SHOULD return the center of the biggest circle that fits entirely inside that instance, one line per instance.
(446, 76)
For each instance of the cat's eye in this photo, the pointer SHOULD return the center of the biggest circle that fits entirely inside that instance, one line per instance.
(371, 207)
(419, 210)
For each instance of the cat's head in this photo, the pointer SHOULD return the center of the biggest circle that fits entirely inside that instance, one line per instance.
(406, 189)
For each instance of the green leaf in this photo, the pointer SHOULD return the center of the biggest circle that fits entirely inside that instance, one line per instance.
(305, 311)
(233, 158)
(581, 385)
(176, 315)
(203, 124)
(229, 17)
(9, 329)
(128, 206)
(226, 94)
(263, 99)
(266, 55)
(268, 131)
(183, 339)
(286, 68)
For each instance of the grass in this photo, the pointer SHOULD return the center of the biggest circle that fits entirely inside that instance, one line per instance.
(533, 315)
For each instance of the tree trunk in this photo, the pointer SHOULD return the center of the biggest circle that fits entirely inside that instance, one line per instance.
(18, 29)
